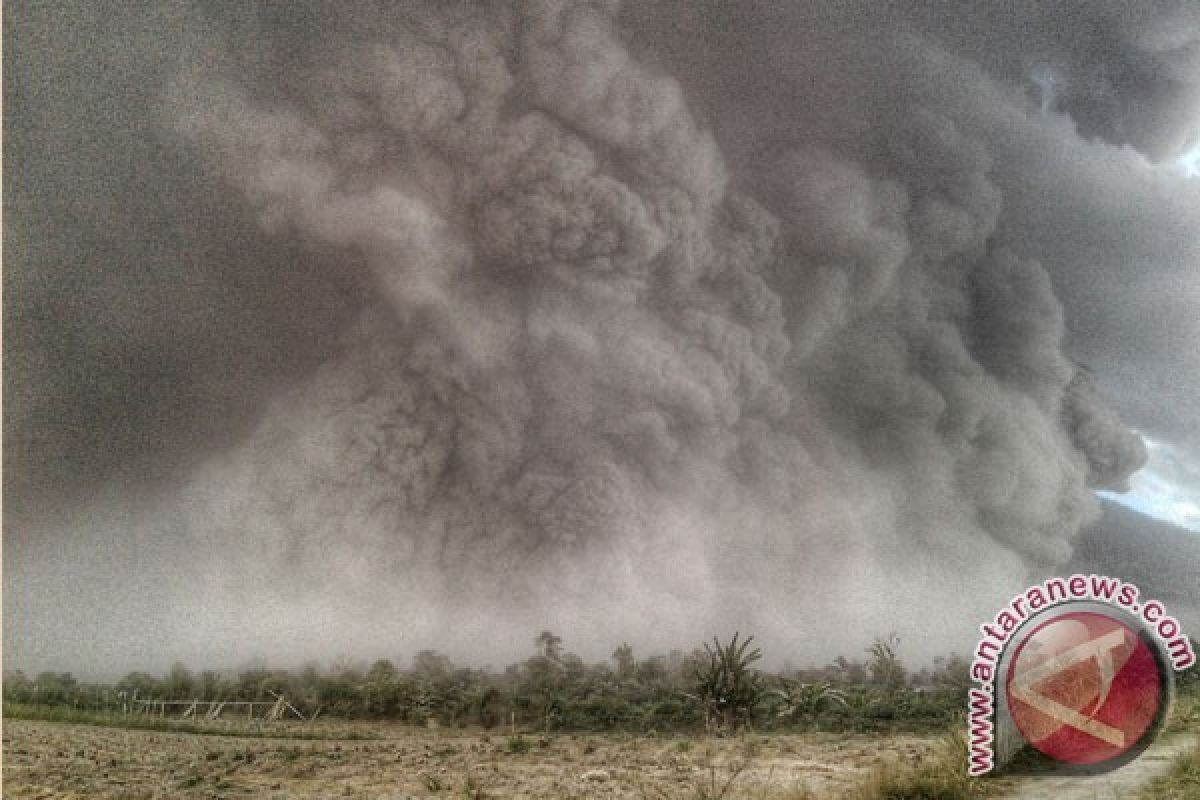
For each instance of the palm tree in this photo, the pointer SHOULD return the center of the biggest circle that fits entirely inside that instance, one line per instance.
(726, 685)
(626, 665)
(886, 669)
(550, 644)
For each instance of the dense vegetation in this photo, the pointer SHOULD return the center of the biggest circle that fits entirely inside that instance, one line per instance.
(555, 689)
(712, 687)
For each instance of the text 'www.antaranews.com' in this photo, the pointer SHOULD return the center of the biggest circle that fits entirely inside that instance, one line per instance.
(1105, 650)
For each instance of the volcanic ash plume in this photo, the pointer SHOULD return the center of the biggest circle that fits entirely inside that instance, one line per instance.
(605, 389)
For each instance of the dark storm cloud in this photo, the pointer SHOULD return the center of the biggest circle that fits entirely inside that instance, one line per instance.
(146, 313)
(1125, 73)
(1117, 236)
(456, 321)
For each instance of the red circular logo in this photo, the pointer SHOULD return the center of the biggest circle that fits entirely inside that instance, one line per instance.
(1085, 688)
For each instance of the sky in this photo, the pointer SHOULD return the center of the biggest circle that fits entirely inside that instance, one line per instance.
(343, 330)
(1166, 488)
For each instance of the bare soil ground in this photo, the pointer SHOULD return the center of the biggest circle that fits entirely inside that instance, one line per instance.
(50, 759)
(63, 760)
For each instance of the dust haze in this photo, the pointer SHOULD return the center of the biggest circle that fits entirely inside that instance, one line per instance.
(348, 331)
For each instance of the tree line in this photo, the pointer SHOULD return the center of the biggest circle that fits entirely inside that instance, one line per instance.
(716, 686)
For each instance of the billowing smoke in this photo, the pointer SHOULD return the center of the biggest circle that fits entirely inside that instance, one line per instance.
(638, 358)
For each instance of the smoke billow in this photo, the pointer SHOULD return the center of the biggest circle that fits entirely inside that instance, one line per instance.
(638, 357)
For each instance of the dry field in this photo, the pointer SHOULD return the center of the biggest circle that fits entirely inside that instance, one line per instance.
(53, 759)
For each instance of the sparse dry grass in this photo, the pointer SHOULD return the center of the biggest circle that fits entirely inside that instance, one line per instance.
(1181, 783)
(1185, 716)
(939, 775)
(51, 759)
(257, 729)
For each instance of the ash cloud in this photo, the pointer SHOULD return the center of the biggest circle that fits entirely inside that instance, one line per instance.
(596, 318)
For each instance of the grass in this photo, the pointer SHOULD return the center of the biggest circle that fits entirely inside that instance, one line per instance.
(715, 779)
(475, 787)
(1181, 783)
(716, 783)
(1185, 716)
(942, 775)
(108, 719)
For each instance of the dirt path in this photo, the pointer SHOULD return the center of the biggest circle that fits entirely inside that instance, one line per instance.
(1120, 784)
